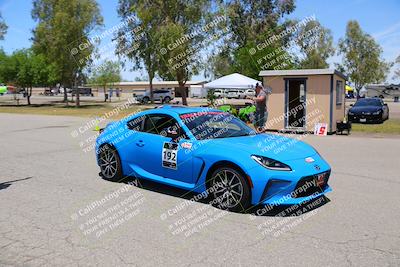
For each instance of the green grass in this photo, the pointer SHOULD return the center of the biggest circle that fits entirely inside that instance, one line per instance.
(93, 110)
(391, 126)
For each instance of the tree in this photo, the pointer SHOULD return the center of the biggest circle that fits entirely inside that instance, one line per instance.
(181, 35)
(137, 41)
(156, 26)
(3, 28)
(362, 60)
(8, 70)
(26, 69)
(397, 71)
(316, 45)
(30, 70)
(62, 36)
(251, 23)
(106, 74)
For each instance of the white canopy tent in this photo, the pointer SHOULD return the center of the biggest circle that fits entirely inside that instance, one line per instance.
(232, 81)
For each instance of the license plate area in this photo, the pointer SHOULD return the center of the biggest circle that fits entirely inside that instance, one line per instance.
(320, 179)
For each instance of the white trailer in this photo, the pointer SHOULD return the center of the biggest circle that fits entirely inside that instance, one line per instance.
(197, 91)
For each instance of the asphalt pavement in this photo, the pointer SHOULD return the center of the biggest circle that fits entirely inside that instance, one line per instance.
(56, 210)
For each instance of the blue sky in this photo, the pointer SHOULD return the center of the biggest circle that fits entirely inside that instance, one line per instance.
(379, 18)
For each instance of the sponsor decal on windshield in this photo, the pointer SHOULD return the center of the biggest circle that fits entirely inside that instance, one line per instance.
(197, 114)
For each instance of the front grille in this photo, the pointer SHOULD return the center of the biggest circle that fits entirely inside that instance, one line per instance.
(362, 116)
(308, 185)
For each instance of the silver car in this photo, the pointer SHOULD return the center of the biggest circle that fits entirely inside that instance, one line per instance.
(238, 94)
(162, 95)
(249, 93)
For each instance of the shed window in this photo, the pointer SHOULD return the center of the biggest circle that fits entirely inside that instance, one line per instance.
(339, 92)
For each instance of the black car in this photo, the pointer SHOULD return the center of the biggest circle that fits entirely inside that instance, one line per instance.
(368, 110)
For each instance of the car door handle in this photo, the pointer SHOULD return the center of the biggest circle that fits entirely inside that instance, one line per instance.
(140, 143)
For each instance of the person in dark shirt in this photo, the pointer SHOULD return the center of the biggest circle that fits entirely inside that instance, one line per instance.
(261, 100)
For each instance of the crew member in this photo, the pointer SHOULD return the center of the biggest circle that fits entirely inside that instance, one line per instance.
(261, 101)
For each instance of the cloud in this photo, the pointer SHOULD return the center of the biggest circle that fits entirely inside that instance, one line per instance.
(389, 39)
(391, 31)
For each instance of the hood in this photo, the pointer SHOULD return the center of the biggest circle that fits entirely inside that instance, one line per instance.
(359, 110)
(268, 145)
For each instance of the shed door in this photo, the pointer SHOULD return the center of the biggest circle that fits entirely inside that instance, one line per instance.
(296, 103)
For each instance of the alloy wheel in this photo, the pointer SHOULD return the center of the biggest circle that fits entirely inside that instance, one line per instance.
(108, 163)
(228, 188)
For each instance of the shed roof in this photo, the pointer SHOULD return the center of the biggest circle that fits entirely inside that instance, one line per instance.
(302, 72)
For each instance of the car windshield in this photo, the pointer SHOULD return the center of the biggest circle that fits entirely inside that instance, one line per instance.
(215, 124)
(367, 102)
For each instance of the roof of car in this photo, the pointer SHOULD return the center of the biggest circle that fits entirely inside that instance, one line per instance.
(183, 109)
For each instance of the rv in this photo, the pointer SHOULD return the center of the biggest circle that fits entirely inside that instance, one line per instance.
(383, 90)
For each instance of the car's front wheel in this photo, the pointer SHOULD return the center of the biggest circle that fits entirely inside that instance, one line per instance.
(230, 190)
(167, 99)
(110, 164)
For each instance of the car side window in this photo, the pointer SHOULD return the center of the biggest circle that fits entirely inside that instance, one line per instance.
(162, 125)
(136, 124)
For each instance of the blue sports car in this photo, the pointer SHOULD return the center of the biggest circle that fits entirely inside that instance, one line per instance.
(212, 152)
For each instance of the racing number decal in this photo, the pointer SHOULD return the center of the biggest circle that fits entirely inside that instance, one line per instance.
(170, 155)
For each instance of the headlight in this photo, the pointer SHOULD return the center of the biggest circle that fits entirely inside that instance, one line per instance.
(271, 163)
(376, 112)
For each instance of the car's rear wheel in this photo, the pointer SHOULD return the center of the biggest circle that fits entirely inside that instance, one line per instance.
(110, 163)
(145, 100)
(230, 190)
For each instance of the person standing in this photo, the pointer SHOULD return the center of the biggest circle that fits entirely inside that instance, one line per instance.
(117, 93)
(110, 93)
(261, 101)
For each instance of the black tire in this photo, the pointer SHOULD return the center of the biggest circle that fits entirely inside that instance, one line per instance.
(145, 100)
(167, 99)
(230, 190)
(110, 163)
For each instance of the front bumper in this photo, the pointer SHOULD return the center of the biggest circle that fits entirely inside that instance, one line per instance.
(364, 117)
(307, 188)
(291, 187)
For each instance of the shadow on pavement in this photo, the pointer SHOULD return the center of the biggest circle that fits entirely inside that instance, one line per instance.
(258, 210)
(290, 210)
(5, 185)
